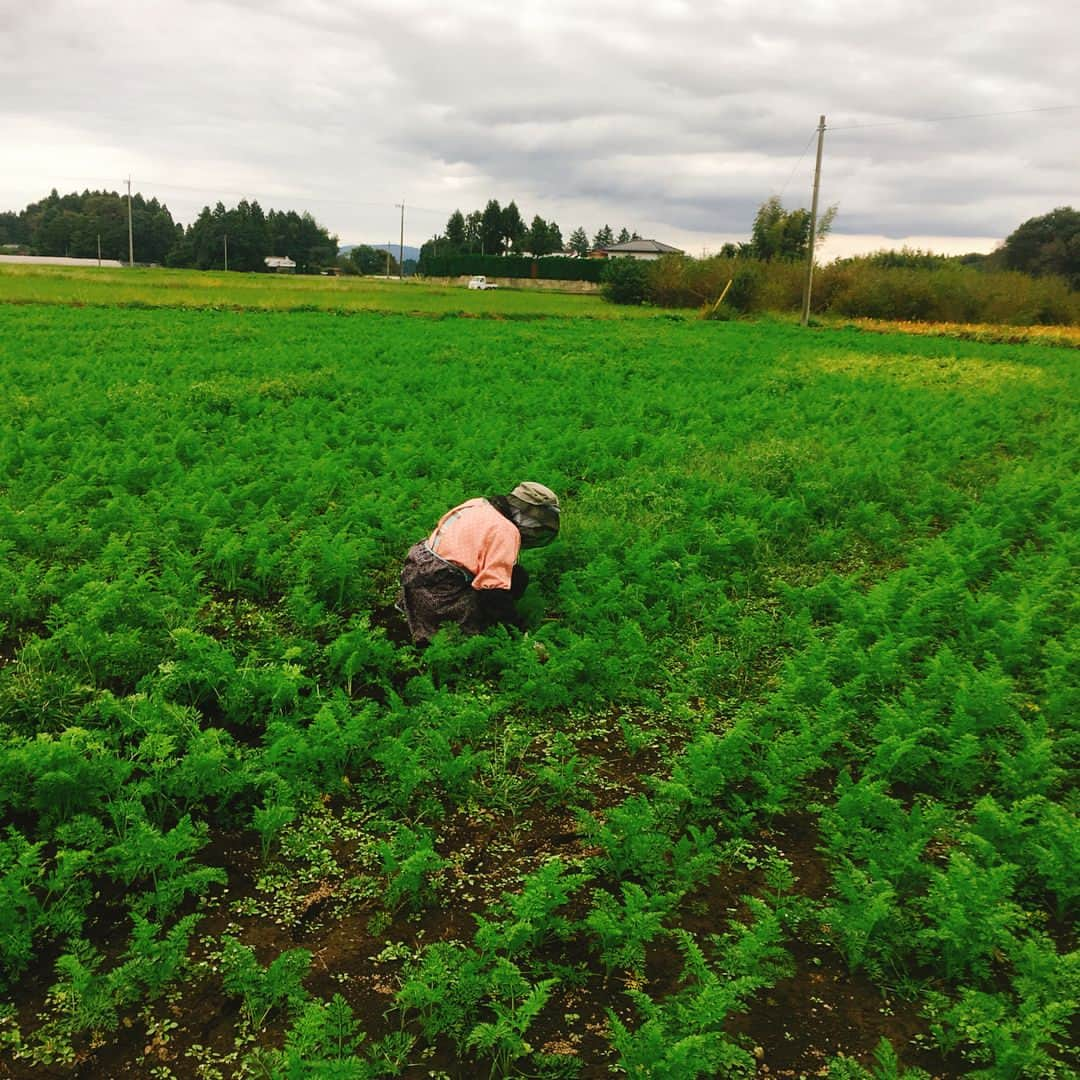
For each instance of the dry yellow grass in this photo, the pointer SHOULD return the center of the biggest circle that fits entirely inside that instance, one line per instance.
(947, 373)
(1068, 336)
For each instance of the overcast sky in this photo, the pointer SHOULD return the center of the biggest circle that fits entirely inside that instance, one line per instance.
(673, 118)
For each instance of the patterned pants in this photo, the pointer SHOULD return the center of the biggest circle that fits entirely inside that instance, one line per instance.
(434, 593)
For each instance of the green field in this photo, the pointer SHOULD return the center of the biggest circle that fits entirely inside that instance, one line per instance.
(267, 292)
(780, 776)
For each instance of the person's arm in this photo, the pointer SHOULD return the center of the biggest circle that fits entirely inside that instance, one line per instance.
(496, 559)
(498, 607)
(500, 581)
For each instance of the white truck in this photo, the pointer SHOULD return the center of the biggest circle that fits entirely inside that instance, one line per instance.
(481, 282)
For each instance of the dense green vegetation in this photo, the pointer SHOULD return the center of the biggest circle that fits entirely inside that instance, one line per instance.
(364, 259)
(74, 225)
(501, 230)
(241, 238)
(780, 235)
(797, 699)
(1049, 244)
(550, 268)
(884, 286)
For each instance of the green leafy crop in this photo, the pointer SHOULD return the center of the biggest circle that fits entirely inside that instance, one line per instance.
(797, 684)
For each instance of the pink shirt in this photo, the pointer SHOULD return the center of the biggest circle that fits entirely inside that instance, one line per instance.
(478, 538)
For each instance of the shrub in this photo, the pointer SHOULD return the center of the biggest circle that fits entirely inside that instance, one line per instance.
(932, 288)
(625, 281)
(949, 293)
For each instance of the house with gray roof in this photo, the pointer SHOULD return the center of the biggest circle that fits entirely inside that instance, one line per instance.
(641, 249)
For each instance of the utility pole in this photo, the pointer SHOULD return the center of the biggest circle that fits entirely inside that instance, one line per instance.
(813, 225)
(131, 240)
(99, 250)
(226, 253)
(401, 243)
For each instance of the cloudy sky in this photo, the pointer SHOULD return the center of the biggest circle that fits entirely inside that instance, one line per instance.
(673, 118)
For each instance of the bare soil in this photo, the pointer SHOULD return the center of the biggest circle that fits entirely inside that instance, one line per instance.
(820, 1011)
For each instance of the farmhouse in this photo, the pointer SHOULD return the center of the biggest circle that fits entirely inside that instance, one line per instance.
(640, 249)
(280, 264)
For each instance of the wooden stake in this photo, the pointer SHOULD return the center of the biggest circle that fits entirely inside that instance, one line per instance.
(723, 294)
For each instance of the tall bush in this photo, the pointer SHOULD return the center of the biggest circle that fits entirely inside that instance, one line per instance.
(942, 290)
(625, 281)
(949, 293)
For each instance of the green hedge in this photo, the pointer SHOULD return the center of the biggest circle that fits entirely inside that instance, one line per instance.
(549, 268)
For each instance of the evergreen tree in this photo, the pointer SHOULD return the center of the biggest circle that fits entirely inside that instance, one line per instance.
(71, 225)
(604, 238)
(252, 236)
(474, 232)
(13, 228)
(206, 237)
(537, 239)
(313, 247)
(624, 236)
(579, 242)
(491, 229)
(455, 231)
(248, 239)
(513, 228)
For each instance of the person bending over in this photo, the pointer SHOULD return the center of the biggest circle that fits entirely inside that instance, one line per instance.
(466, 572)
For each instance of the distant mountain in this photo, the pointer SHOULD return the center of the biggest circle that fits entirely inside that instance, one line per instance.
(410, 252)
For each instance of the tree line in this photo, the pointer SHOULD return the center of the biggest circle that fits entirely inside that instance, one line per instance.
(72, 225)
(1043, 246)
(252, 236)
(96, 223)
(501, 230)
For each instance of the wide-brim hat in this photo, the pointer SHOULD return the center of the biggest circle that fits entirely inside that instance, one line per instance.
(534, 494)
(534, 509)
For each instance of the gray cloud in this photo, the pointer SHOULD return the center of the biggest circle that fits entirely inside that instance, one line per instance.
(685, 115)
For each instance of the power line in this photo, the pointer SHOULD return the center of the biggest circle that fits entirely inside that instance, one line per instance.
(924, 120)
(946, 119)
(291, 195)
(799, 162)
